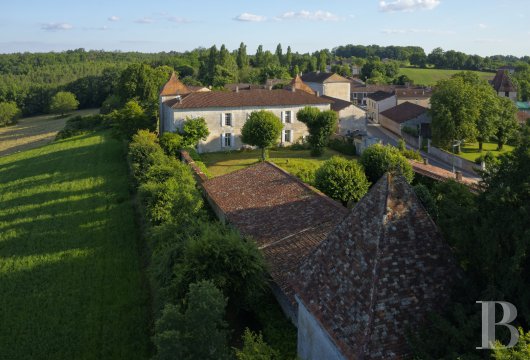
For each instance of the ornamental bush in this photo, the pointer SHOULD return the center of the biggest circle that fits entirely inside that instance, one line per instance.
(378, 159)
(342, 179)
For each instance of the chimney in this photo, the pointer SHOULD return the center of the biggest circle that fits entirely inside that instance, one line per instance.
(179, 99)
(458, 175)
(425, 161)
(237, 88)
(318, 93)
(293, 89)
(270, 87)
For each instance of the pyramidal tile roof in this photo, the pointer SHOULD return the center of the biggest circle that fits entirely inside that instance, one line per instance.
(298, 84)
(378, 273)
(174, 87)
(502, 82)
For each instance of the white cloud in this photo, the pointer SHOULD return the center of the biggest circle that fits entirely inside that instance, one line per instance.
(144, 20)
(114, 18)
(250, 17)
(177, 19)
(56, 26)
(308, 15)
(408, 5)
(482, 26)
(418, 31)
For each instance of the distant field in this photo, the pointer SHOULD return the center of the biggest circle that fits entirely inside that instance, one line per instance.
(70, 277)
(221, 163)
(432, 76)
(33, 132)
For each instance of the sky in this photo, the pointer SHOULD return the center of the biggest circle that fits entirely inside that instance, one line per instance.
(483, 27)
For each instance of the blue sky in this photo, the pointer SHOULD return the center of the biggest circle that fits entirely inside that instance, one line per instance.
(484, 27)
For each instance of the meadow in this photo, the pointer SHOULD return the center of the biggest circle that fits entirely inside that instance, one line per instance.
(429, 77)
(71, 279)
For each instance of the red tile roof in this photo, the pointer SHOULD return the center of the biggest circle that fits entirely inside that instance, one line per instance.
(285, 217)
(502, 82)
(378, 274)
(174, 87)
(338, 104)
(250, 98)
(404, 112)
(298, 84)
(436, 173)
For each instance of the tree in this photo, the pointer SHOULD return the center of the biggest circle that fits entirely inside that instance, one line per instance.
(171, 143)
(378, 160)
(254, 348)
(521, 351)
(195, 329)
(321, 126)
(262, 129)
(193, 131)
(506, 125)
(455, 109)
(288, 58)
(63, 102)
(279, 53)
(242, 57)
(342, 179)
(9, 113)
(129, 119)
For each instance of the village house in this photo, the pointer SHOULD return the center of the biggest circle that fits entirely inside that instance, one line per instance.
(378, 102)
(415, 94)
(503, 85)
(225, 112)
(405, 115)
(351, 280)
(329, 84)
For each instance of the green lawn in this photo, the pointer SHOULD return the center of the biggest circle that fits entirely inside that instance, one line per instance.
(71, 283)
(293, 161)
(432, 76)
(470, 151)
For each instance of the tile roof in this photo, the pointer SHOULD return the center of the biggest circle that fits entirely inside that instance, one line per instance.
(437, 173)
(256, 97)
(421, 93)
(285, 217)
(174, 87)
(298, 84)
(522, 116)
(323, 77)
(378, 274)
(358, 88)
(380, 95)
(338, 104)
(502, 82)
(404, 112)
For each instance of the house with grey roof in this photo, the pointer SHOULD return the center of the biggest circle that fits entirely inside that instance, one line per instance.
(378, 102)
(503, 85)
(403, 115)
(329, 84)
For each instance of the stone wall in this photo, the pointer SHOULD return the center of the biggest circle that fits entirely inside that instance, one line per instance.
(453, 159)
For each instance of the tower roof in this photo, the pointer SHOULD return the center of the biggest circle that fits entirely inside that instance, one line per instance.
(298, 84)
(174, 87)
(502, 82)
(378, 273)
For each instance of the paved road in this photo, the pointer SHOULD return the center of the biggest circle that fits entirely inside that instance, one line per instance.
(388, 138)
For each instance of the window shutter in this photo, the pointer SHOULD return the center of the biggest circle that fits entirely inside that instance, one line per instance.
(222, 140)
(283, 136)
(282, 117)
(222, 119)
(233, 120)
(232, 140)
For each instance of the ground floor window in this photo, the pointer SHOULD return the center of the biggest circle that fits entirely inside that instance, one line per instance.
(287, 135)
(226, 140)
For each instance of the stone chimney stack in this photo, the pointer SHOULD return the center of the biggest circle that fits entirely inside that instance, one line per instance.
(237, 88)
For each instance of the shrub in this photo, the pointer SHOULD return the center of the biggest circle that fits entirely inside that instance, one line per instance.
(171, 143)
(79, 125)
(342, 180)
(195, 330)
(194, 130)
(423, 193)
(144, 151)
(410, 130)
(254, 348)
(219, 254)
(343, 146)
(63, 102)
(378, 159)
(129, 119)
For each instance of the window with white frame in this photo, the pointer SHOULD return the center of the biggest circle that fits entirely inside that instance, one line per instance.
(287, 135)
(226, 140)
(227, 119)
(288, 116)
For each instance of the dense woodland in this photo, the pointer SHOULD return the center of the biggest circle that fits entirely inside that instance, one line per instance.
(30, 80)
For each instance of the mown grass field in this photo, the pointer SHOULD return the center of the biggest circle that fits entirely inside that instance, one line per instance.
(430, 77)
(71, 285)
(34, 131)
(221, 163)
(470, 151)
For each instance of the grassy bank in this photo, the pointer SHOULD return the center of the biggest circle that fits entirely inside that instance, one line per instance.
(70, 275)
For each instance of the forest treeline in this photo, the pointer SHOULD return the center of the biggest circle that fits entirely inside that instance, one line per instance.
(31, 79)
